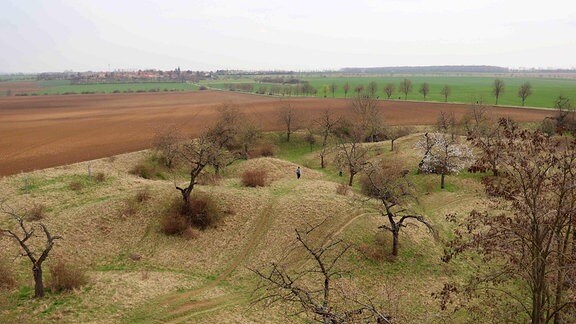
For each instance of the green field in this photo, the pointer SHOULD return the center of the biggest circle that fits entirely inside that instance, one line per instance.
(465, 89)
(51, 87)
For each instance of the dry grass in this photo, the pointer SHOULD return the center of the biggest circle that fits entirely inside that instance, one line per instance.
(100, 177)
(343, 189)
(258, 228)
(76, 186)
(65, 276)
(36, 212)
(7, 280)
(254, 178)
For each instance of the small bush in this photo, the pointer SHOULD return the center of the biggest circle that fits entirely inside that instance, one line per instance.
(7, 280)
(202, 212)
(100, 177)
(254, 178)
(343, 189)
(66, 277)
(37, 212)
(266, 149)
(76, 185)
(143, 195)
(150, 168)
(202, 88)
(173, 222)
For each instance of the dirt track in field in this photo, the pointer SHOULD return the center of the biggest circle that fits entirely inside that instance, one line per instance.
(45, 131)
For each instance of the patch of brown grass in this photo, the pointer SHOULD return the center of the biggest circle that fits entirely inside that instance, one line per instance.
(7, 280)
(76, 186)
(375, 251)
(254, 178)
(100, 177)
(343, 189)
(173, 222)
(266, 149)
(66, 277)
(36, 212)
(190, 233)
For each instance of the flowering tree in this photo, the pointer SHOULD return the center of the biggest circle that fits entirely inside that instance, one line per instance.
(443, 155)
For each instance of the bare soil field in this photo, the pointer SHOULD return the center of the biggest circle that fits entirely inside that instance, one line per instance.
(46, 131)
(18, 87)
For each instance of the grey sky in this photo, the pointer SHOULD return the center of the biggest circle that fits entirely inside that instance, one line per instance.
(80, 35)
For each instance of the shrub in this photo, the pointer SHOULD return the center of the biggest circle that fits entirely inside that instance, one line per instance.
(202, 88)
(254, 178)
(343, 189)
(76, 185)
(267, 150)
(202, 212)
(65, 276)
(173, 223)
(6, 275)
(100, 177)
(37, 212)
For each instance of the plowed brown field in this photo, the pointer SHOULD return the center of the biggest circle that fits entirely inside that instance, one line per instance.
(46, 131)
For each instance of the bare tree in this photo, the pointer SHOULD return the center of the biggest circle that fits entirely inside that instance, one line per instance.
(397, 132)
(326, 125)
(387, 181)
(445, 92)
(248, 133)
(497, 89)
(287, 116)
(165, 143)
(24, 243)
(325, 89)
(346, 88)
(197, 153)
(389, 89)
(359, 89)
(224, 135)
(424, 89)
(313, 289)
(333, 88)
(446, 123)
(372, 88)
(368, 115)
(351, 153)
(405, 87)
(524, 91)
(526, 238)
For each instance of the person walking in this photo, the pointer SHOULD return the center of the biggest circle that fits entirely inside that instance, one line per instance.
(298, 173)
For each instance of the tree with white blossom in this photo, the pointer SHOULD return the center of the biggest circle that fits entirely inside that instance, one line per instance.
(443, 155)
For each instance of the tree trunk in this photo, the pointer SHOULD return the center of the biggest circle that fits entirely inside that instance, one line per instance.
(442, 180)
(395, 233)
(322, 161)
(392, 148)
(38, 282)
(538, 294)
(351, 179)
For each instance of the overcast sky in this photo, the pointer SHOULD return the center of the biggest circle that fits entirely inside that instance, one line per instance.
(81, 35)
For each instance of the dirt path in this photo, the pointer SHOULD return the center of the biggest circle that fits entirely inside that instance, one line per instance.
(180, 306)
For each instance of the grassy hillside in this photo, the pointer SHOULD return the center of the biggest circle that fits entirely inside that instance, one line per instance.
(137, 274)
